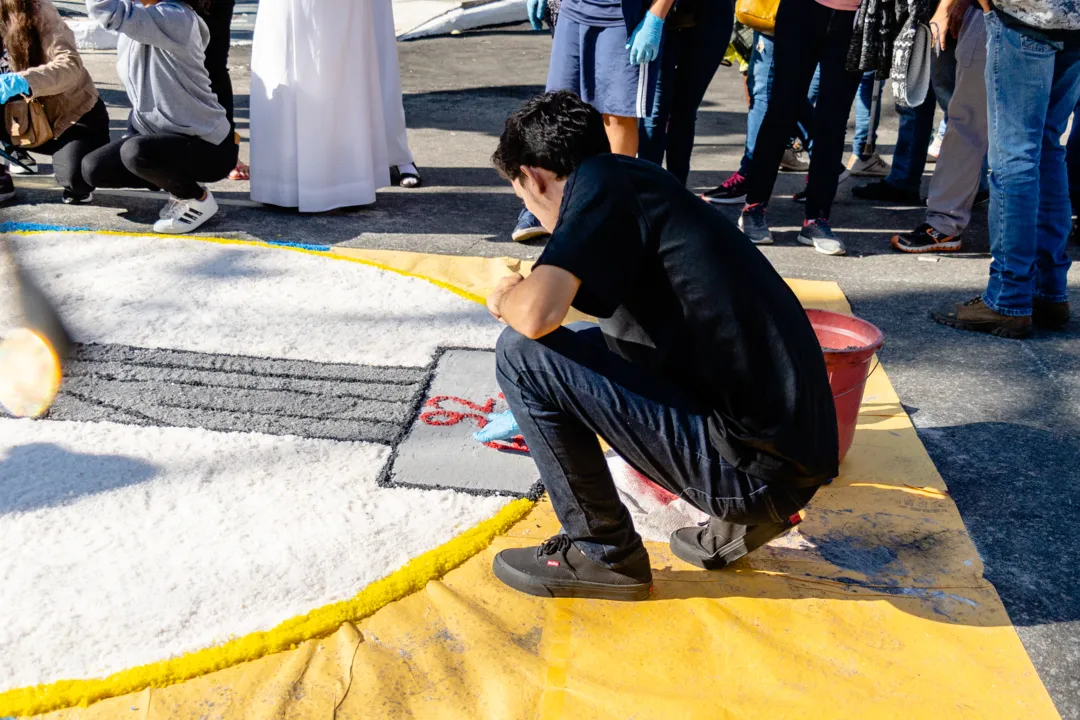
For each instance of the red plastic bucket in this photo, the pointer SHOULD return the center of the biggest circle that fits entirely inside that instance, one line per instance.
(849, 344)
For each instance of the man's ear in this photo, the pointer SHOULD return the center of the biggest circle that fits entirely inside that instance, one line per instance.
(538, 178)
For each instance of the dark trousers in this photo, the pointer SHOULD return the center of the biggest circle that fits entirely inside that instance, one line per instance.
(88, 134)
(174, 163)
(567, 388)
(687, 66)
(219, 20)
(807, 33)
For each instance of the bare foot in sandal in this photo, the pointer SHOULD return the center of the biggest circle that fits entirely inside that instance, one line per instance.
(240, 172)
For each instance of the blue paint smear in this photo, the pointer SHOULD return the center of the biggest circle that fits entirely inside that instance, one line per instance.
(38, 227)
(8, 227)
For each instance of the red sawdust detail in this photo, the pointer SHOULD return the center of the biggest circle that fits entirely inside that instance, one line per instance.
(439, 416)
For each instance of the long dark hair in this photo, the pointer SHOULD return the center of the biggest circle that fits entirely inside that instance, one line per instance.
(19, 29)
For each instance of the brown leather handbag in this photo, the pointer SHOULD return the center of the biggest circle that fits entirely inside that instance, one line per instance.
(27, 123)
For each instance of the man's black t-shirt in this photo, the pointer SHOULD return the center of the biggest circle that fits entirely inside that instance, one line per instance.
(680, 290)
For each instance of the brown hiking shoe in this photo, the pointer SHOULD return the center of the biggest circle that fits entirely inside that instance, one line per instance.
(974, 315)
(1050, 315)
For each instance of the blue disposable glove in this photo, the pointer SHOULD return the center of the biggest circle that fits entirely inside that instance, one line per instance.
(644, 42)
(500, 426)
(12, 85)
(535, 9)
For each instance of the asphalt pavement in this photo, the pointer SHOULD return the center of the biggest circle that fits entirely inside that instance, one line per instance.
(1001, 418)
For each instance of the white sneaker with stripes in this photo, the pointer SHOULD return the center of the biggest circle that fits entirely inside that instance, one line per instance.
(184, 216)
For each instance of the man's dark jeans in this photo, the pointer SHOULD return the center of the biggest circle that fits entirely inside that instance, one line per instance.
(567, 387)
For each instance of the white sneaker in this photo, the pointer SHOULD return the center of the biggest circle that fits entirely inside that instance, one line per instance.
(873, 166)
(792, 161)
(934, 150)
(186, 215)
(169, 208)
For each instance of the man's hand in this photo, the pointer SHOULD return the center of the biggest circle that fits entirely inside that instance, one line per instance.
(947, 19)
(496, 296)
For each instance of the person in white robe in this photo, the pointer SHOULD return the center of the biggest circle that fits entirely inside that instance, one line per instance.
(327, 120)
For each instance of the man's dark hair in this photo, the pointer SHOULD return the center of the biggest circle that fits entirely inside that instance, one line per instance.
(555, 131)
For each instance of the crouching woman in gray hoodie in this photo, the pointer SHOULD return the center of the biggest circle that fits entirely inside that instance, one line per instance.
(179, 135)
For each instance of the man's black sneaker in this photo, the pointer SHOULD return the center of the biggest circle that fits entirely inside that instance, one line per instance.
(558, 569)
(718, 543)
(7, 187)
(881, 191)
(925, 239)
(1050, 315)
(730, 192)
(74, 198)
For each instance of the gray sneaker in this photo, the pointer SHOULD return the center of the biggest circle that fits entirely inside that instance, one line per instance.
(820, 235)
(752, 223)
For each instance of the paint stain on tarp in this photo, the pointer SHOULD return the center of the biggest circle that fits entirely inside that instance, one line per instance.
(530, 641)
(856, 555)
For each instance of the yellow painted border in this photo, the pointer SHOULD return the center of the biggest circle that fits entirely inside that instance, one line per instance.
(413, 576)
(318, 623)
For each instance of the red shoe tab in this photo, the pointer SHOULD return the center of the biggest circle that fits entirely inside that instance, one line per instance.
(795, 519)
(554, 563)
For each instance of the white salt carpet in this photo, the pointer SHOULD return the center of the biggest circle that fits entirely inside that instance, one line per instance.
(122, 545)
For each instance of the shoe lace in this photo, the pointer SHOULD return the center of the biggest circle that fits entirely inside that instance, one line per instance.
(734, 181)
(823, 225)
(172, 208)
(554, 546)
(977, 300)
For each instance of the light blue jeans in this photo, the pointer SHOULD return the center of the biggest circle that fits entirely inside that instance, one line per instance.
(866, 126)
(1031, 89)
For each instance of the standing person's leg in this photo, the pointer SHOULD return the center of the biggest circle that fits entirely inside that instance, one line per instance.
(653, 143)
(864, 160)
(956, 178)
(838, 89)
(804, 130)
(1020, 75)
(620, 91)
(904, 181)
(1073, 160)
(85, 136)
(801, 26)
(699, 59)
(1052, 262)
(565, 390)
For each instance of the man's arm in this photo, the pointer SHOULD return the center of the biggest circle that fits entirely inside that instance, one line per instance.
(536, 305)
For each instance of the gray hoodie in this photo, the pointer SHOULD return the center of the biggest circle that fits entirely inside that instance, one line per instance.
(160, 57)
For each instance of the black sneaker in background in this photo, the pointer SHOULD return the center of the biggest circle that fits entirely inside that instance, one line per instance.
(73, 198)
(730, 192)
(558, 569)
(752, 223)
(881, 191)
(7, 186)
(925, 239)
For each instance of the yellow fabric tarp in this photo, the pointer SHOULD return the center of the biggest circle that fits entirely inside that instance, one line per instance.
(874, 607)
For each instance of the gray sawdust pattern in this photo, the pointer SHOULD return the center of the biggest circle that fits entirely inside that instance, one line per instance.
(232, 393)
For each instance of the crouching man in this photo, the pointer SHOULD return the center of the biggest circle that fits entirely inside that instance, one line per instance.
(704, 373)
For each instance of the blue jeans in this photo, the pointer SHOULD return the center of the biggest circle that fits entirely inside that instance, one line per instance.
(1031, 89)
(865, 126)
(690, 58)
(759, 79)
(1072, 159)
(567, 388)
(912, 141)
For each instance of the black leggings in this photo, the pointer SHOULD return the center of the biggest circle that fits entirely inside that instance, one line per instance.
(807, 33)
(219, 20)
(173, 163)
(88, 134)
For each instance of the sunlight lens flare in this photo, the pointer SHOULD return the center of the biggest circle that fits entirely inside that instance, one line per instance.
(30, 373)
